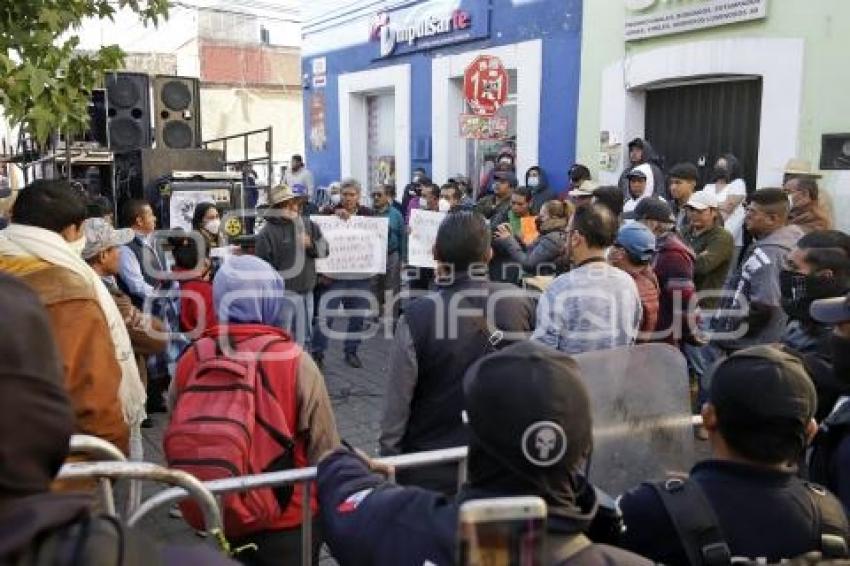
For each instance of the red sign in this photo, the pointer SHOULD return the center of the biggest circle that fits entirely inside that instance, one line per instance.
(485, 85)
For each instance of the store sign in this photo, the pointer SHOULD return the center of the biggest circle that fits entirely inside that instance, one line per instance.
(427, 25)
(687, 15)
(475, 127)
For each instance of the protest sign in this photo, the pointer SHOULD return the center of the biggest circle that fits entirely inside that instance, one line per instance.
(423, 234)
(357, 245)
(182, 207)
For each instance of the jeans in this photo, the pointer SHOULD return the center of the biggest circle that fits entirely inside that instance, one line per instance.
(356, 302)
(298, 317)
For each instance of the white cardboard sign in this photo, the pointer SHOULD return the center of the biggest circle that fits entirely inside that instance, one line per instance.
(357, 245)
(423, 233)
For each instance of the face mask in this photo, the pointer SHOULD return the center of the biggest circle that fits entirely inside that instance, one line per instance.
(423, 202)
(533, 182)
(336, 198)
(78, 246)
(719, 173)
(506, 160)
(416, 179)
(212, 226)
(799, 291)
(443, 205)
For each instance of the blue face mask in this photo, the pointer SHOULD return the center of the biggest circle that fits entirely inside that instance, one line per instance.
(534, 182)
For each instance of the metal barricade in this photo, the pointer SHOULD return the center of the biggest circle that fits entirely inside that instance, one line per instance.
(188, 484)
(99, 450)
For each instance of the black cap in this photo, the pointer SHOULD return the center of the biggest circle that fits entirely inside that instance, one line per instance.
(654, 208)
(763, 384)
(636, 173)
(527, 404)
(508, 176)
(637, 142)
(687, 171)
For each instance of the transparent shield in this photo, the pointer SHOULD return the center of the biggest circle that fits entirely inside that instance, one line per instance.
(641, 415)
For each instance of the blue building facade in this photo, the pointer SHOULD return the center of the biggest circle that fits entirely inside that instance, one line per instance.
(384, 89)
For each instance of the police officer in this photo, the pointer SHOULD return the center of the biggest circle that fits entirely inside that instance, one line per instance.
(530, 431)
(747, 500)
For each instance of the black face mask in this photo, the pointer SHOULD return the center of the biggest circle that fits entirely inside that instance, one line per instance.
(720, 173)
(800, 291)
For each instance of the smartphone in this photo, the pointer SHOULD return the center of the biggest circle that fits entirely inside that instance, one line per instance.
(503, 531)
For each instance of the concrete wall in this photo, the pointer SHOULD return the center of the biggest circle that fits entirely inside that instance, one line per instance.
(823, 82)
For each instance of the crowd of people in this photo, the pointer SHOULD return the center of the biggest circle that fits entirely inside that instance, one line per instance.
(108, 325)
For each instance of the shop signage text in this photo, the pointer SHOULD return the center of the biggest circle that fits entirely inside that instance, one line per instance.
(475, 127)
(689, 15)
(427, 25)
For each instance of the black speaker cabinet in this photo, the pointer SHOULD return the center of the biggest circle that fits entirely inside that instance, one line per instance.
(177, 112)
(97, 110)
(129, 115)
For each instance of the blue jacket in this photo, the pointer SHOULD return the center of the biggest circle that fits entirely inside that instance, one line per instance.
(397, 238)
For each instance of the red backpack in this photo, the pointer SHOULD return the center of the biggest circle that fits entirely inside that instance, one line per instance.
(227, 422)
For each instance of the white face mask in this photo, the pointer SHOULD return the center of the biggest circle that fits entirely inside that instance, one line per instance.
(534, 182)
(443, 205)
(213, 226)
(78, 246)
(423, 202)
(506, 160)
(336, 198)
(416, 179)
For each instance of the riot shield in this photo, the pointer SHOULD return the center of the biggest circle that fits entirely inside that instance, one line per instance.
(641, 415)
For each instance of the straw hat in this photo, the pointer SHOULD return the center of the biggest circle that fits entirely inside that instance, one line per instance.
(797, 166)
(281, 193)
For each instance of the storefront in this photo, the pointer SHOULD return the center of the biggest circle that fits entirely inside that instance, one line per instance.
(763, 79)
(384, 87)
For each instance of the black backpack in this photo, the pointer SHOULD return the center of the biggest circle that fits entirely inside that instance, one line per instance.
(702, 538)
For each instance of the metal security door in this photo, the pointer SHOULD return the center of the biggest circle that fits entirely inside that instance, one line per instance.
(700, 122)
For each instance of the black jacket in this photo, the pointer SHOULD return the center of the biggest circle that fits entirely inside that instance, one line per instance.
(541, 194)
(279, 244)
(546, 256)
(366, 520)
(660, 183)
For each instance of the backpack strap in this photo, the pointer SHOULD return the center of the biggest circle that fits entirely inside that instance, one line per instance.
(831, 522)
(695, 522)
(568, 548)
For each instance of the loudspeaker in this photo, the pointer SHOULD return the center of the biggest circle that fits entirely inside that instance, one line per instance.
(97, 110)
(178, 112)
(129, 115)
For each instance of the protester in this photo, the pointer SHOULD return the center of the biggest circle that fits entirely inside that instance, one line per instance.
(535, 179)
(298, 174)
(36, 422)
(295, 422)
(577, 175)
(207, 222)
(731, 190)
(346, 290)
(711, 243)
(194, 272)
(754, 285)
(495, 207)
(422, 278)
(390, 281)
(452, 198)
(638, 190)
(674, 266)
(501, 267)
(42, 246)
(610, 197)
(534, 394)
(430, 198)
(632, 252)
(461, 181)
(391, 193)
(682, 179)
(642, 157)
(291, 244)
(101, 207)
(806, 209)
(435, 343)
(546, 256)
(594, 306)
(583, 193)
(412, 191)
(746, 501)
(147, 333)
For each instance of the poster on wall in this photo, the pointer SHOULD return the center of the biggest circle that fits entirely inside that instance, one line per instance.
(318, 133)
(475, 127)
(423, 234)
(385, 170)
(357, 245)
(182, 207)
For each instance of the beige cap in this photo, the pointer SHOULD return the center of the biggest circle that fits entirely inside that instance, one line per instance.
(797, 166)
(281, 193)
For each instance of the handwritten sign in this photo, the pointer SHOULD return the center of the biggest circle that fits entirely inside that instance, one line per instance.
(357, 245)
(423, 233)
(182, 207)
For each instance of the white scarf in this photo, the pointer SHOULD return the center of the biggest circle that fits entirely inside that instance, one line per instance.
(22, 240)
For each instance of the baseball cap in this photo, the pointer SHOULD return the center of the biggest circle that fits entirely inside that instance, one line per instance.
(834, 310)
(100, 236)
(701, 200)
(508, 176)
(528, 409)
(585, 189)
(637, 240)
(683, 171)
(762, 384)
(636, 173)
(654, 208)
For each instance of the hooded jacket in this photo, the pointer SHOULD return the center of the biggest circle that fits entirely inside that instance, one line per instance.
(713, 250)
(674, 267)
(546, 256)
(659, 184)
(542, 193)
(279, 244)
(756, 281)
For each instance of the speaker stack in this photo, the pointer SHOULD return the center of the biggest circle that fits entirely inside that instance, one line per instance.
(128, 116)
(177, 112)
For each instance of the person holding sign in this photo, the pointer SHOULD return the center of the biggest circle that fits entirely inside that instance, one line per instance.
(339, 284)
(396, 250)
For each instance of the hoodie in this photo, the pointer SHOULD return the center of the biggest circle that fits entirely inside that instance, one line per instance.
(674, 267)
(655, 182)
(542, 192)
(756, 282)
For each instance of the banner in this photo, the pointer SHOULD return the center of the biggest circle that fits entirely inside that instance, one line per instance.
(357, 245)
(182, 207)
(423, 233)
(474, 127)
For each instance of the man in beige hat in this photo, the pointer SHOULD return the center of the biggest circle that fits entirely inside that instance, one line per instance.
(797, 167)
(811, 209)
(291, 243)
